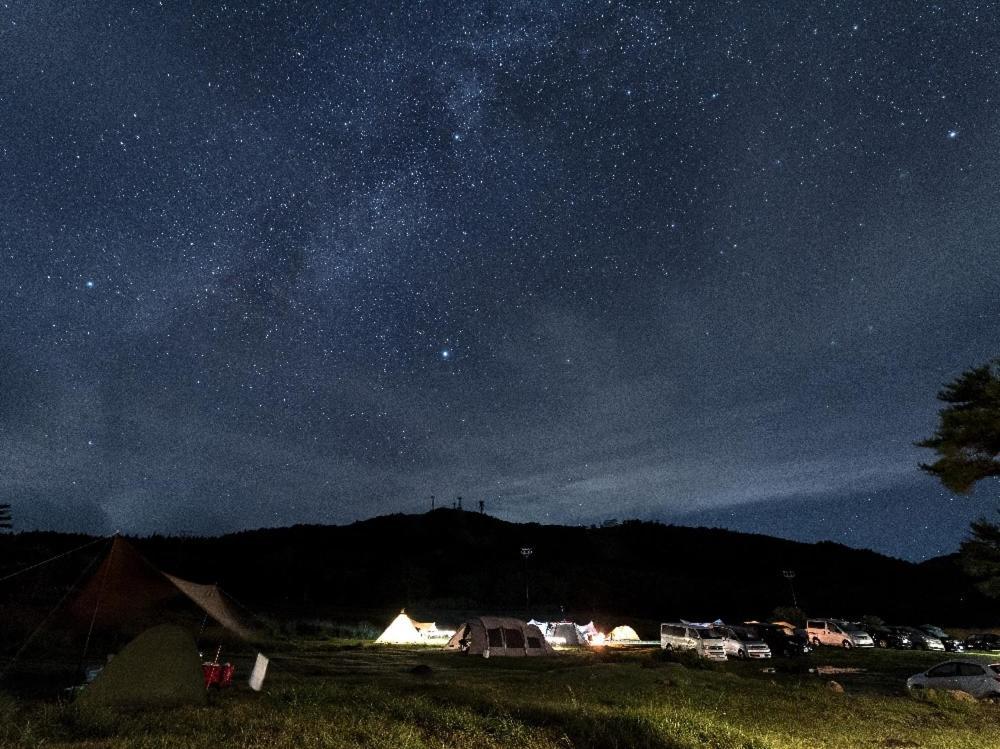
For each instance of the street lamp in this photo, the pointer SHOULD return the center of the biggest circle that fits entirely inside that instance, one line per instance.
(789, 575)
(526, 552)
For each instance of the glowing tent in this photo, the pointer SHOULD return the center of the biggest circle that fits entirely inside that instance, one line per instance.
(405, 631)
(624, 633)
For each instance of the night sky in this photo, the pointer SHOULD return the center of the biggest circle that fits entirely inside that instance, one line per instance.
(707, 263)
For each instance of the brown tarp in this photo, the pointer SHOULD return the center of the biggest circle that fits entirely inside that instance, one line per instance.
(127, 588)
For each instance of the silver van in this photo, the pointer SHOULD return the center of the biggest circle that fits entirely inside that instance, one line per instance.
(705, 642)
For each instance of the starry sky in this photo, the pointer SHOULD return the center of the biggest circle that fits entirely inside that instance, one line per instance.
(267, 263)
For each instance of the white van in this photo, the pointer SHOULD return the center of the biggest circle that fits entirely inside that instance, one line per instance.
(702, 640)
(838, 633)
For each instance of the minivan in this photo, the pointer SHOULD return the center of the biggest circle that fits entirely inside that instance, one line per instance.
(702, 640)
(838, 633)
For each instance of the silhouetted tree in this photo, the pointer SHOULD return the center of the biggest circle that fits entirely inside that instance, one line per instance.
(981, 557)
(967, 442)
(967, 439)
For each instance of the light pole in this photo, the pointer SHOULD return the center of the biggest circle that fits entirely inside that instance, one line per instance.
(526, 552)
(789, 575)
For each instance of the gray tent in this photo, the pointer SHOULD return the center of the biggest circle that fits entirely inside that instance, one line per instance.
(159, 668)
(501, 636)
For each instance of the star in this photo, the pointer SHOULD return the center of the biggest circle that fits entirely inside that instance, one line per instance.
(445, 354)
(89, 284)
(952, 134)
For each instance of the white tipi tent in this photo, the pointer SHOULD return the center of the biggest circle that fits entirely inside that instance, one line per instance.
(405, 631)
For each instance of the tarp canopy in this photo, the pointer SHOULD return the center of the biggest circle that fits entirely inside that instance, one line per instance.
(159, 668)
(499, 636)
(127, 588)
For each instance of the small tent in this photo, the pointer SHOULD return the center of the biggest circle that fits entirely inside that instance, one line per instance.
(566, 633)
(498, 636)
(127, 591)
(623, 633)
(405, 631)
(159, 668)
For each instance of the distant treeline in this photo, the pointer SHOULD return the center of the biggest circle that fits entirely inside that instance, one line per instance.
(447, 563)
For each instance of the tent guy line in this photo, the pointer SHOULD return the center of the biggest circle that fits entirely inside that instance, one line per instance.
(57, 556)
(41, 625)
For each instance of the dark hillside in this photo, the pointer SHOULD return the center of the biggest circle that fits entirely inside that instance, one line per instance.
(447, 562)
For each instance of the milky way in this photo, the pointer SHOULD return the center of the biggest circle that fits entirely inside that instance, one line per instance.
(300, 262)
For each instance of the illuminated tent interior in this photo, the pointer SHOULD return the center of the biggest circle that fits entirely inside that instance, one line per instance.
(623, 633)
(406, 631)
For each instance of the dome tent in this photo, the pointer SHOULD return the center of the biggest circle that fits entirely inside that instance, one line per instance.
(623, 633)
(499, 636)
(159, 668)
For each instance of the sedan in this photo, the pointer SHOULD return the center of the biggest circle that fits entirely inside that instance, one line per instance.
(978, 679)
(886, 637)
(985, 641)
(951, 644)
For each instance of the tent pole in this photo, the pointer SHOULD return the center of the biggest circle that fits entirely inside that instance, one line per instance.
(97, 604)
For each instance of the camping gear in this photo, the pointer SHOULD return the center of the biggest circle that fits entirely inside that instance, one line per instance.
(259, 672)
(159, 668)
(218, 674)
(498, 636)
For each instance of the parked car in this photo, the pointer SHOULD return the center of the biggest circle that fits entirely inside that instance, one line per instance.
(951, 644)
(888, 637)
(983, 641)
(783, 642)
(743, 642)
(838, 633)
(978, 679)
(920, 639)
(704, 641)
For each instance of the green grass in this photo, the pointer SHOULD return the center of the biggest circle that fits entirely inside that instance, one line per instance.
(328, 694)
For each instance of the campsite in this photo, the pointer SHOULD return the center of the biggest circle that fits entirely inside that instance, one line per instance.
(346, 693)
(464, 374)
(108, 647)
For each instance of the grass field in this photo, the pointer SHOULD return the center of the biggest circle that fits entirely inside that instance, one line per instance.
(337, 694)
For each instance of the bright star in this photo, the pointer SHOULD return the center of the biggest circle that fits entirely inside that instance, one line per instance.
(89, 284)
(952, 134)
(446, 354)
